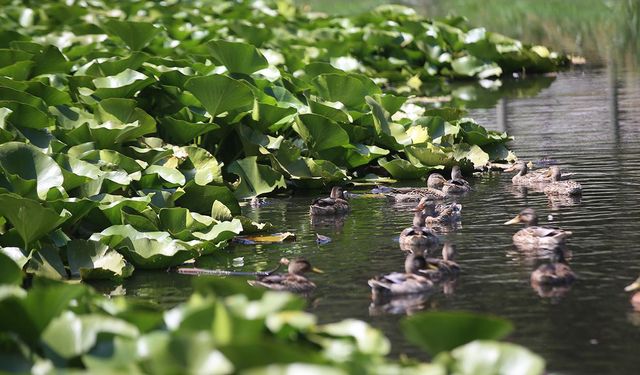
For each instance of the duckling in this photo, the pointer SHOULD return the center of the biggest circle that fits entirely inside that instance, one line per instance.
(435, 182)
(397, 283)
(635, 298)
(457, 184)
(418, 234)
(533, 235)
(292, 281)
(336, 204)
(439, 214)
(559, 187)
(439, 269)
(555, 273)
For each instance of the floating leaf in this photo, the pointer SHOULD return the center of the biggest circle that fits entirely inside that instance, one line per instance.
(219, 93)
(443, 331)
(263, 239)
(237, 57)
(489, 357)
(136, 35)
(92, 260)
(28, 169)
(255, 179)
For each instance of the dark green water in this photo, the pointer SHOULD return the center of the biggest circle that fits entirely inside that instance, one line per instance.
(589, 123)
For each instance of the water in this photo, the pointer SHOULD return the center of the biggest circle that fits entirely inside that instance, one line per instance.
(588, 121)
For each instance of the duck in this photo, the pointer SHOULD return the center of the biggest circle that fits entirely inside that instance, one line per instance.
(292, 281)
(526, 177)
(534, 235)
(439, 214)
(561, 187)
(635, 298)
(335, 204)
(442, 268)
(398, 283)
(555, 273)
(435, 183)
(418, 234)
(457, 184)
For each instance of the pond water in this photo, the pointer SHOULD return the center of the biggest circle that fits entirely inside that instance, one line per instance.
(588, 121)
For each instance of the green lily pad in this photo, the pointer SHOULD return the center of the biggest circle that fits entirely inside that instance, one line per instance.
(122, 85)
(29, 170)
(136, 35)
(29, 217)
(436, 332)
(489, 357)
(219, 93)
(255, 179)
(237, 57)
(92, 260)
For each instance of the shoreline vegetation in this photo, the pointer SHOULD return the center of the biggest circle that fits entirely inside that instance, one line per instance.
(130, 131)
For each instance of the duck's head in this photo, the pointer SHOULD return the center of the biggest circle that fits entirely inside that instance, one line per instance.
(527, 216)
(426, 206)
(337, 192)
(298, 266)
(456, 174)
(633, 286)
(418, 218)
(436, 181)
(555, 173)
(414, 263)
(448, 251)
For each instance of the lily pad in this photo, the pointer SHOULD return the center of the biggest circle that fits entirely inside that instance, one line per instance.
(29, 171)
(92, 260)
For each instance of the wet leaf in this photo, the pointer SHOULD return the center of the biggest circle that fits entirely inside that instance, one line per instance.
(265, 239)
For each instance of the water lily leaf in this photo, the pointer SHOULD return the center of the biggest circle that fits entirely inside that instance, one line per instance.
(75, 171)
(237, 57)
(91, 260)
(368, 340)
(490, 357)
(296, 368)
(474, 154)
(404, 170)
(29, 217)
(78, 207)
(136, 35)
(47, 263)
(201, 167)
(255, 179)
(443, 331)
(428, 154)
(117, 121)
(349, 89)
(112, 205)
(25, 166)
(11, 273)
(146, 250)
(201, 198)
(26, 116)
(222, 231)
(180, 132)
(470, 66)
(71, 335)
(219, 93)
(17, 255)
(181, 223)
(122, 85)
(36, 309)
(320, 133)
(272, 118)
(170, 175)
(265, 239)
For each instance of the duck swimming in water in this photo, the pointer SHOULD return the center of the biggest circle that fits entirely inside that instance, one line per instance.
(435, 183)
(534, 235)
(418, 234)
(457, 184)
(439, 214)
(635, 298)
(527, 177)
(335, 204)
(397, 283)
(292, 281)
(443, 268)
(561, 187)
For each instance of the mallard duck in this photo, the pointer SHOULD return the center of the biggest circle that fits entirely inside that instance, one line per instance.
(526, 177)
(439, 214)
(457, 184)
(560, 187)
(635, 298)
(534, 235)
(445, 267)
(397, 283)
(435, 182)
(555, 273)
(292, 281)
(336, 204)
(418, 234)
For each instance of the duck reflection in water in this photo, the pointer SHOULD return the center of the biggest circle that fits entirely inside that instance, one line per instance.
(554, 279)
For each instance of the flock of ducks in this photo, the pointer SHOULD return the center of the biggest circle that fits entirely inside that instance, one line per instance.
(432, 216)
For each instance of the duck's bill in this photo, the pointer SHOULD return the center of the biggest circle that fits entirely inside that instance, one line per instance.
(632, 287)
(316, 270)
(515, 220)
